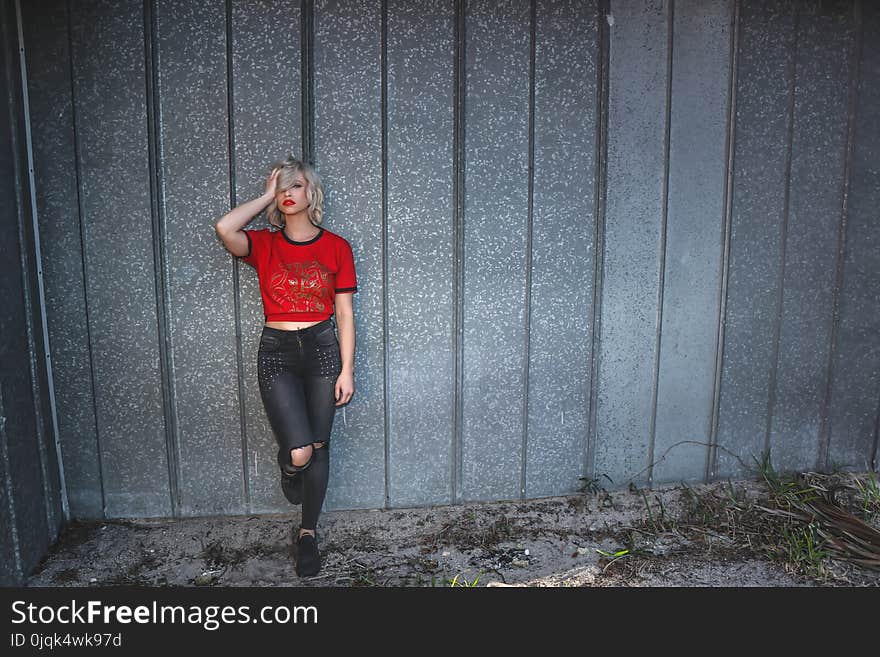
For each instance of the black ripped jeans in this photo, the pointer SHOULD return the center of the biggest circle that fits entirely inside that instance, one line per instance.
(297, 372)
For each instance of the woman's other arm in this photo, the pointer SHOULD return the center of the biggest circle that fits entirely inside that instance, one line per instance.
(229, 227)
(345, 329)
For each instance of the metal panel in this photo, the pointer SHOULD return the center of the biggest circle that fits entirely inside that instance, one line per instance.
(195, 192)
(634, 213)
(267, 125)
(563, 248)
(34, 304)
(24, 468)
(26, 503)
(108, 68)
(856, 369)
(51, 111)
(19, 464)
(694, 231)
(763, 85)
(816, 186)
(348, 155)
(495, 248)
(420, 247)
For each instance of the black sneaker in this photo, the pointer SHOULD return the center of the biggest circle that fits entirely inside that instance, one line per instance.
(308, 562)
(292, 487)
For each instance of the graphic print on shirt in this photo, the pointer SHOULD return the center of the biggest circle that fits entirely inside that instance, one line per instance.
(303, 287)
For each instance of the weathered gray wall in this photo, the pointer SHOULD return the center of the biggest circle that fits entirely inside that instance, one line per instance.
(633, 241)
(801, 365)
(31, 495)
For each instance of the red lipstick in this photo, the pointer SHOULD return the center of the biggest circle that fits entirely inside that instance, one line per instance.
(289, 202)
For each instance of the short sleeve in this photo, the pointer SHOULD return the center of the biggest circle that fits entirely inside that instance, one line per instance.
(258, 244)
(346, 280)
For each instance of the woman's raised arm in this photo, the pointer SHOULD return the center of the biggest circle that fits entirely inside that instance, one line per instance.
(229, 227)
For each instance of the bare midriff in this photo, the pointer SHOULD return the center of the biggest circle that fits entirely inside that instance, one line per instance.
(290, 326)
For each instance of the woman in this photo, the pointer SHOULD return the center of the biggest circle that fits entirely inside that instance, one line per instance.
(305, 273)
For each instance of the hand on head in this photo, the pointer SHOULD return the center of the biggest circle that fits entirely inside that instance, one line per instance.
(272, 181)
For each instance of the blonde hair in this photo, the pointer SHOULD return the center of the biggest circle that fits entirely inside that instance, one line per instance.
(290, 169)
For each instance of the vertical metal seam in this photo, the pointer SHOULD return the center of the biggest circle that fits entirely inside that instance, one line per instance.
(670, 37)
(307, 70)
(875, 464)
(600, 188)
(822, 457)
(236, 270)
(529, 245)
(727, 226)
(43, 450)
(458, 166)
(83, 240)
(780, 281)
(27, 292)
(166, 364)
(383, 118)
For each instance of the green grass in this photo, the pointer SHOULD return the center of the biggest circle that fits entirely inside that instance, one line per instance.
(802, 520)
(804, 548)
(464, 582)
(613, 557)
(814, 514)
(870, 497)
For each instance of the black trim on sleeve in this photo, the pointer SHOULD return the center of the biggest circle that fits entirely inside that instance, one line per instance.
(347, 289)
(250, 245)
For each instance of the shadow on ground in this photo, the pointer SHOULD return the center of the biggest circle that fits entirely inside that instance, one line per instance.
(620, 538)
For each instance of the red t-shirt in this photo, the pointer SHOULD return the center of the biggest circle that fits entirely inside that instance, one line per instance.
(299, 280)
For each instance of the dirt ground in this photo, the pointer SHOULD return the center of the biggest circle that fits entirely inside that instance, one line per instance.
(619, 538)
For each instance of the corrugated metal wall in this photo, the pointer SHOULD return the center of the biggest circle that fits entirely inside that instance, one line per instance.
(31, 490)
(635, 240)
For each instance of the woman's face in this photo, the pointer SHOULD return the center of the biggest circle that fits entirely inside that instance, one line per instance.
(293, 201)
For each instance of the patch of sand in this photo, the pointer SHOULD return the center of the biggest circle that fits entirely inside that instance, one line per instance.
(559, 541)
